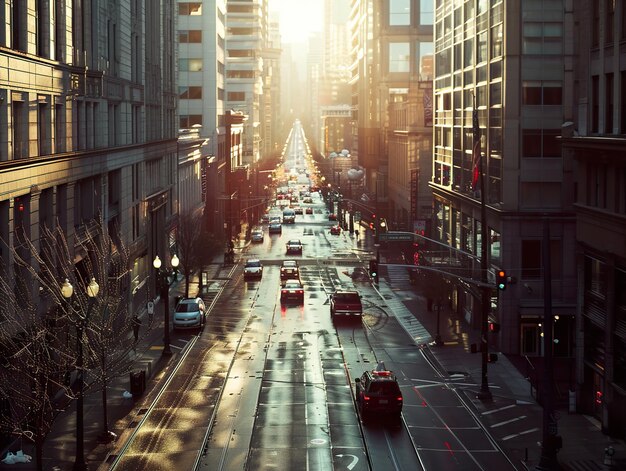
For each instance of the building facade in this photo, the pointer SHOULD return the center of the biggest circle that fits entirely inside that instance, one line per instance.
(88, 128)
(201, 68)
(596, 140)
(528, 183)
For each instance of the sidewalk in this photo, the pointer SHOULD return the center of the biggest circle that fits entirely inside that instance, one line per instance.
(60, 444)
(583, 441)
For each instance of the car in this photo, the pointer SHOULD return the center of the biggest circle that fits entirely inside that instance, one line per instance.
(289, 216)
(332, 217)
(253, 269)
(189, 314)
(298, 210)
(345, 303)
(294, 246)
(275, 227)
(378, 392)
(289, 270)
(307, 200)
(308, 210)
(256, 235)
(292, 290)
(265, 218)
(335, 230)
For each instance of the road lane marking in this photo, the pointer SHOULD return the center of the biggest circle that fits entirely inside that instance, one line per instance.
(500, 424)
(493, 411)
(525, 432)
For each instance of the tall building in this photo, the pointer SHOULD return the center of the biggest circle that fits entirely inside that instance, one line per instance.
(271, 98)
(88, 126)
(246, 36)
(596, 140)
(510, 64)
(201, 67)
(392, 49)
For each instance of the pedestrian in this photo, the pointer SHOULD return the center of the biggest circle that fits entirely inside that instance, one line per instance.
(136, 324)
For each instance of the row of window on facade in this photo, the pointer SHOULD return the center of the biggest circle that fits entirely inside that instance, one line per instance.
(461, 231)
(94, 124)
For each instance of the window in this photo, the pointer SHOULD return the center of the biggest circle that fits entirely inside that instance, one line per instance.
(191, 8)
(236, 96)
(190, 65)
(399, 57)
(622, 106)
(190, 93)
(595, 103)
(540, 143)
(59, 128)
(240, 53)
(542, 93)
(595, 276)
(610, 16)
(239, 8)
(542, 38)
(241, 31)
(496, 41)
(44, 126)
(531, 259)
(399, 12)
(190, 36)
(425, 61)
(608, 120)
(20, 129)
(186, 121)
(482, 47)
(427, 12)
(245, 74)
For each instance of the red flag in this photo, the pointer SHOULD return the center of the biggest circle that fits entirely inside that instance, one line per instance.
(475, 150)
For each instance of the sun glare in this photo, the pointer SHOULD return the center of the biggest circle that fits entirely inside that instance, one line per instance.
(298, 18)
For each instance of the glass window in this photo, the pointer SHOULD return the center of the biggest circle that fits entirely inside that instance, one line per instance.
(482, 47)
(425, 61)
(496, 41)
(595, 276)
(190, 65)
(399, 12)
(427, 12)
(190, 93)
(186, 121)
(494, 246)
(192, 36)
(531, 259)
(399, 54)
(191, 8)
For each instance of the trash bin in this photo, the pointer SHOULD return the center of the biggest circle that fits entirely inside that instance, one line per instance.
(137, 382)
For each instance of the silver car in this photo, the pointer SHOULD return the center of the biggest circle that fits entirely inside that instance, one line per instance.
(189, 314)
(256, 236)
(253, 269)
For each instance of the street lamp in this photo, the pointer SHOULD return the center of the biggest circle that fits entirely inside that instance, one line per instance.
(67, 290)
(163, 285)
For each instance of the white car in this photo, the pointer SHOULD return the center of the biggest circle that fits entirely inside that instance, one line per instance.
(189, 314)
(253, 269)
(294, 246)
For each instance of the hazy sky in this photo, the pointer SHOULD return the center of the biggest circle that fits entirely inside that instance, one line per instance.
(298, 18)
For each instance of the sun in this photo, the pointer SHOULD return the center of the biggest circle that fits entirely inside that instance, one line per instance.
(298, 19)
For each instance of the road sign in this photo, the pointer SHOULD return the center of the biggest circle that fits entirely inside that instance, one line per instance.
(357, 216)
(395, 236)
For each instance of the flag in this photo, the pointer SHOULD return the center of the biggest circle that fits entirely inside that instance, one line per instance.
(475, 150)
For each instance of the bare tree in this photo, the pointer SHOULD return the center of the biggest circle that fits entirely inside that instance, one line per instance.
(189, 243)
(37, 338)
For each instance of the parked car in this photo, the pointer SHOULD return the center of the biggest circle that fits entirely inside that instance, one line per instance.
(335, 230)
(294, 246)
(289, 270)
(189, 314)
(253, 269)
(292, 290)
(307, 200)
(378, 392)
(256, 235)
(332, 217)
(345, 303)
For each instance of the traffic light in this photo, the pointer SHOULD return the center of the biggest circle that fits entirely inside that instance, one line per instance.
(494, 327)
(374, 270)
(501, 279)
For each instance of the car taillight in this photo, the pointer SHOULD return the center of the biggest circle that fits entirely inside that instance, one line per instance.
(366, 398)
(300, 291)
(399, 398)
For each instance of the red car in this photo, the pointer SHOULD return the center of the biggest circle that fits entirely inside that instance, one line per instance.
(292, 291)
(335, 230)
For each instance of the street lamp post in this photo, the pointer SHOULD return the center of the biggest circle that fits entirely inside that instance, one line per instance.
(67, 290)
(164, 282)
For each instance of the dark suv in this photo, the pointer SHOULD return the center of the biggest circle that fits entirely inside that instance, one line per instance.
(377, 392)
